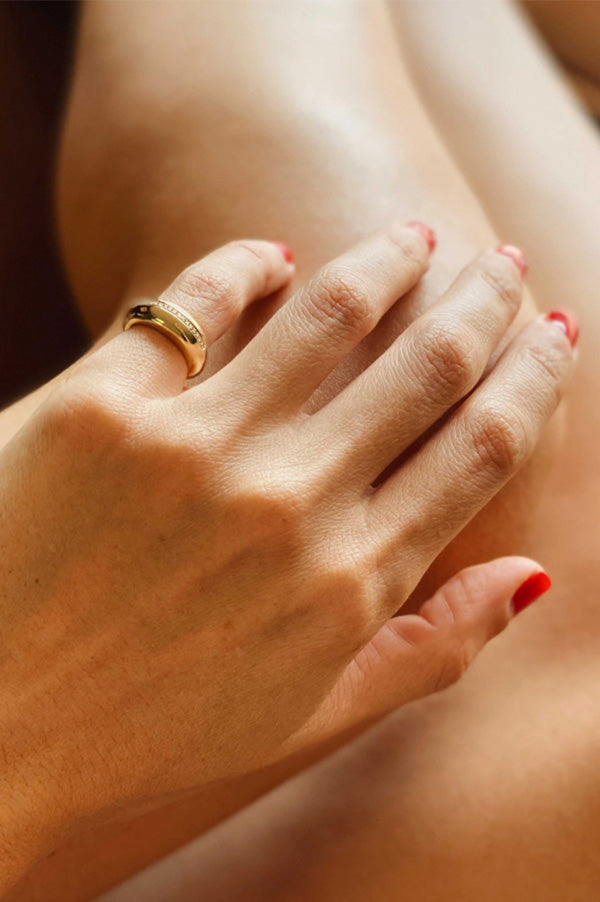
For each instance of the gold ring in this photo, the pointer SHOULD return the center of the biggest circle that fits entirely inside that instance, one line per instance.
(177, 325)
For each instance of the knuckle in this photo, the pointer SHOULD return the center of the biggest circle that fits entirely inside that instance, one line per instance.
(499, 274)
(89, 416)
(215, 286)
(270, 506)
(448, 356)
(501, 439)
(343, 301)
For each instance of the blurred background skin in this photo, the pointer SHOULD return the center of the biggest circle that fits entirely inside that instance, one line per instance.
(572, 29)
(36, 43)
(354, 186)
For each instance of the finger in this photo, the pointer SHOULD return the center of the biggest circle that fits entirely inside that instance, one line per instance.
(481, 446)
(414, 655)
(323, 321)
(214, 291)
(430, 367)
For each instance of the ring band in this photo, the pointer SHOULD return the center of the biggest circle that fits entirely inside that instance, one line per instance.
(176, 325)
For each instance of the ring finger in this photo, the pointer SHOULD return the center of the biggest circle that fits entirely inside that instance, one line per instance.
(214, 292)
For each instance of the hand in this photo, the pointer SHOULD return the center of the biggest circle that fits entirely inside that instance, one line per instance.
(199, 583)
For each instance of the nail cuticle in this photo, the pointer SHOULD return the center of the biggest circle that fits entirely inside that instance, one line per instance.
(425, 231)
(516, 255)
(566, 323)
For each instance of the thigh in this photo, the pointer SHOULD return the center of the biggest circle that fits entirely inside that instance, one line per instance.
(420, 808)
(298, 123)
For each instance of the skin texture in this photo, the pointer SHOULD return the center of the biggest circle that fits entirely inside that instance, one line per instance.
(471, 743)
(210, 615)
(512, 751)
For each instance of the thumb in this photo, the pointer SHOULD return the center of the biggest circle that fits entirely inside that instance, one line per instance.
(413, 655)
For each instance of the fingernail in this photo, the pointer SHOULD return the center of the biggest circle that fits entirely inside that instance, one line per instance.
(424, 230)
(516, 255)
(286, 252)
(530, 591)
(567, 323)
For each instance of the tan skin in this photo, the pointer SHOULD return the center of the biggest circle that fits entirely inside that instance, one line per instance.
(571, 28)
(169, 592)
(422, 177)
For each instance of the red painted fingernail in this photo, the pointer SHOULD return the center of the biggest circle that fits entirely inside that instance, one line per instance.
(516, 255)
(567, 323)
(424, 230)
(286, 252)
(530, 591)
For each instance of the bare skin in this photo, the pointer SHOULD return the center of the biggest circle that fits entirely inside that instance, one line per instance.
(176, 578)
(571, 28)
(474, 739)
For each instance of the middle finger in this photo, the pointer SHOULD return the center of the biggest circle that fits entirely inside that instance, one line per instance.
(430, 367)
